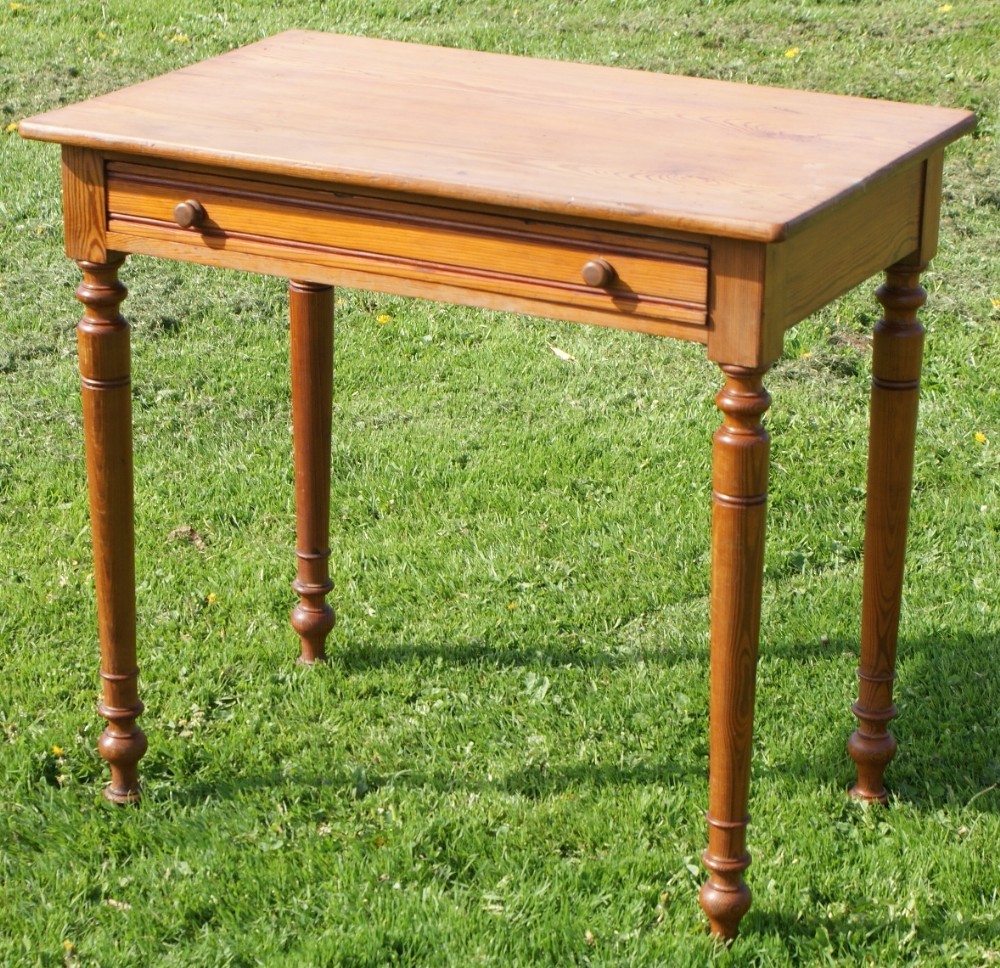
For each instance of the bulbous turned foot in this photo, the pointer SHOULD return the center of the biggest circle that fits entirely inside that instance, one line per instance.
(872, 755)
(725, 899)
(313, 623)
(123, 747)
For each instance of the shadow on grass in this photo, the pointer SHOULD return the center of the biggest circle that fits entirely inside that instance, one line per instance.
(947, 692)
(857, 929)
(500, 656)
(531, 782)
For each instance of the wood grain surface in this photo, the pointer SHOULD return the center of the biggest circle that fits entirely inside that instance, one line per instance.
(310, 317)
(106, 389)
(705, 210)
(651, 277)
(684, 153)
(897, 352)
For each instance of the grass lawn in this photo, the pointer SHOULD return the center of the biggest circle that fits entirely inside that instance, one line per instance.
(505, 761)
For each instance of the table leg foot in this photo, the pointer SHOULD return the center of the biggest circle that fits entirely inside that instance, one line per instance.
(122, 744)
(896, 359)
(311, 325)
(105, 376)
(313, 623)
(725, 897)
(872, 753)
(739, 499)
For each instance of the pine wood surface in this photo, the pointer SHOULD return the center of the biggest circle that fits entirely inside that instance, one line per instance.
(310, 318)
(710, 211)
(106, 389)
(654, 277)
(683, 153)
(740, 451)
(897, 352)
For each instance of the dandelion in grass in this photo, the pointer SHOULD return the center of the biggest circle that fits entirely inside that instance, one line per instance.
(57, 751)
(945, 8)
(792, 53)
(383, 319)
(979, 437)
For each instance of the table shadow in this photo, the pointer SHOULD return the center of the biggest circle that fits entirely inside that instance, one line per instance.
(947, 693)
(945, 756)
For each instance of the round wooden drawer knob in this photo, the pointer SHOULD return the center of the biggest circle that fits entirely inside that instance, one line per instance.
(189, 214)
(598, 272)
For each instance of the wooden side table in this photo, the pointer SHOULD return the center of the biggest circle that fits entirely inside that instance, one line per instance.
(688, 208)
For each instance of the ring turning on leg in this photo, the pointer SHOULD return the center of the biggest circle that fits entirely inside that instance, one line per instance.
(896, 358)
(311, 322)
(739, 499)
(105, 377)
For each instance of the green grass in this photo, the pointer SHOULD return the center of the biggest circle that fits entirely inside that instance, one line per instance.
(505, 761)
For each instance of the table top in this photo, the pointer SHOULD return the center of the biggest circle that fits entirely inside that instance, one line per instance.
(687, 154)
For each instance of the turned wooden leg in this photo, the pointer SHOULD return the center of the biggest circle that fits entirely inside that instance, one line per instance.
(103, 340)
(311, 321)
(739, 499)
(897, 351)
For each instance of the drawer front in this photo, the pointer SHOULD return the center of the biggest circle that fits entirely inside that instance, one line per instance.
(571, 271)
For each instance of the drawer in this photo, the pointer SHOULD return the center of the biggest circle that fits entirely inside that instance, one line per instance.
(413, 246)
